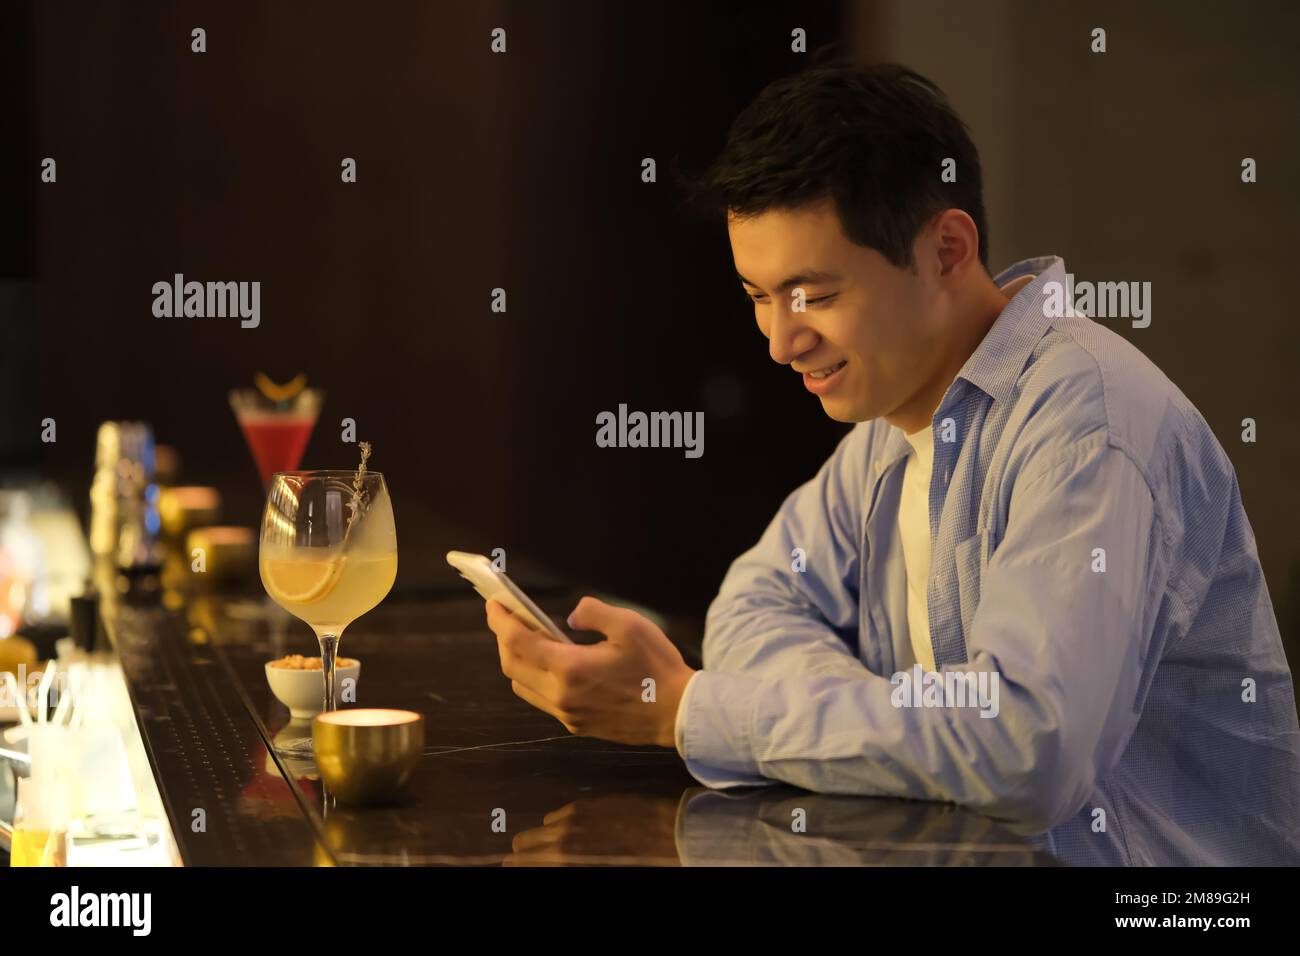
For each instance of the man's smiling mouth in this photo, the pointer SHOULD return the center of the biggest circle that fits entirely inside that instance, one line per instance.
(828, 370)
(822, 380)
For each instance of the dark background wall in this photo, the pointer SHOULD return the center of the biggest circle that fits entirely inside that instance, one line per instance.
(522, 171)
(475, 171)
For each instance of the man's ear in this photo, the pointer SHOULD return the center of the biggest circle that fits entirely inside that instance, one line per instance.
(957, 241)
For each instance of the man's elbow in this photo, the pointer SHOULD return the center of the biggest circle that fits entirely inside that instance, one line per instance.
(1049, 791)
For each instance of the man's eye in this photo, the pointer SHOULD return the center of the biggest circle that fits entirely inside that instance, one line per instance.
(823, 298)
(756, 298)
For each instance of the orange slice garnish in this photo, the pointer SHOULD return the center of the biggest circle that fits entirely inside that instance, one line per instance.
(299, 582)
(280, 393)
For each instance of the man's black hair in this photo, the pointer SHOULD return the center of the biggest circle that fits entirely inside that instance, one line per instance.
(871, 138)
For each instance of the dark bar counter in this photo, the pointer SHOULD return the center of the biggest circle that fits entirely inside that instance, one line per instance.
(222, 752)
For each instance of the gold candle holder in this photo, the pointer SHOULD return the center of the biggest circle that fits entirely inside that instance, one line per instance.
(188, 506)
(366, 755)
(224, 554)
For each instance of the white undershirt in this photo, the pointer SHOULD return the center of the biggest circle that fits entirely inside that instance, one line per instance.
(914, 526)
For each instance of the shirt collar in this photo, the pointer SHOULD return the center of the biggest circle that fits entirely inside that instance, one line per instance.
(998, 360)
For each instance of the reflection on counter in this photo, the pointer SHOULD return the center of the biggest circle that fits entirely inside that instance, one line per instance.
(763, 827)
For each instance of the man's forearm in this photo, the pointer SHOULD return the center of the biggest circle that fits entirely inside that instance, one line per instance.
(760, 634)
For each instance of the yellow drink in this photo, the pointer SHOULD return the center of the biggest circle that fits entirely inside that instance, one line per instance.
(29, 848)
(328, 591)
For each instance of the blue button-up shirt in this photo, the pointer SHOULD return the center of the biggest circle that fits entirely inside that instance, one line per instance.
(1090, 558)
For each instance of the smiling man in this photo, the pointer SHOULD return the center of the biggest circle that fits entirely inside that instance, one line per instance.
(1026, 506)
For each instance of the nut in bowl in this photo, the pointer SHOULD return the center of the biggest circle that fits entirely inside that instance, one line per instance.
(299, 683)
(365, 756)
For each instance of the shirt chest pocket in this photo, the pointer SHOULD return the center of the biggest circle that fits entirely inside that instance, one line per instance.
(971, 556)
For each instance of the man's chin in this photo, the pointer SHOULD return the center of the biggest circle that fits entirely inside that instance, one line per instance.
(841, 411)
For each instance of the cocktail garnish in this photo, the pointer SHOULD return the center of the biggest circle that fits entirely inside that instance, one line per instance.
(298, 583)
(356, 487)
(280, 393)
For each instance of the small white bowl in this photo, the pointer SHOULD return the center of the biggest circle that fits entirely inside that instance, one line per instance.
(303, 691)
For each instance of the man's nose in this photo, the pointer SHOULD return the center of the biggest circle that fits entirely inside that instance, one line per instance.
(789, 337)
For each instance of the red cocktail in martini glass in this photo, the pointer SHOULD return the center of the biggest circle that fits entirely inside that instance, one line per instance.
(277, 421)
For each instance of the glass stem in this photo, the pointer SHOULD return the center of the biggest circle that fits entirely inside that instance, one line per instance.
(329, 645)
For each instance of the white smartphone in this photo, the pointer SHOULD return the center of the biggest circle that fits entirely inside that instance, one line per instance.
(493, 585)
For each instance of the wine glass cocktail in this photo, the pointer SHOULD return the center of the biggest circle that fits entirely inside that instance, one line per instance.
(328, 552)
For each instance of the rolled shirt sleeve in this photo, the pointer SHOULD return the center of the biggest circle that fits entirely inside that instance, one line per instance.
(1068, 604)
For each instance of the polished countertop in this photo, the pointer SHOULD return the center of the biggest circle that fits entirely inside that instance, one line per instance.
(500, 783)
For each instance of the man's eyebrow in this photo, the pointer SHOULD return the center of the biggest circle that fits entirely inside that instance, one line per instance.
(808, 277)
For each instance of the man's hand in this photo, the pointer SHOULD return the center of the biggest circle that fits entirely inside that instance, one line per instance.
(593, 829)
(597, 690)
